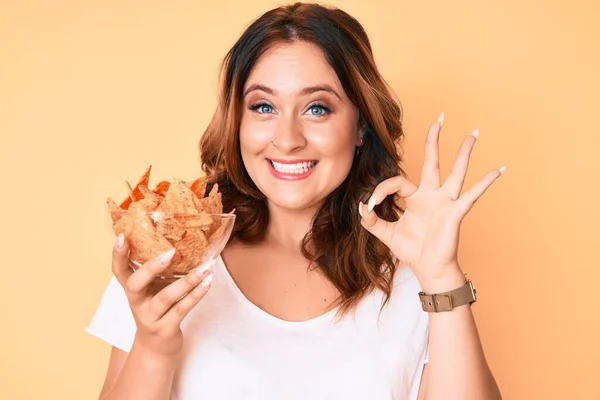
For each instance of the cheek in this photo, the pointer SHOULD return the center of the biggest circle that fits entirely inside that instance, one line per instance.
(335, 142)
(333, 146)
(254, 137)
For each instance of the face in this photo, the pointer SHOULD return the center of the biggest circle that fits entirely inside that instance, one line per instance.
(299, 130)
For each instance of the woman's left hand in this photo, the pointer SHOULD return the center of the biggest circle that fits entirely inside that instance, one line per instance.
(426, 236)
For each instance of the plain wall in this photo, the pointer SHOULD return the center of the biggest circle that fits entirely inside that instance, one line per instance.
(91, 93)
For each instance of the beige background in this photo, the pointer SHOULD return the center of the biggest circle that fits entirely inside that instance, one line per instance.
(91, 94)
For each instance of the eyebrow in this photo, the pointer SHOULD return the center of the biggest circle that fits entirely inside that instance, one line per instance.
(305, 91)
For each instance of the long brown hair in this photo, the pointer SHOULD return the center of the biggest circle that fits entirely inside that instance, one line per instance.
(354, 261)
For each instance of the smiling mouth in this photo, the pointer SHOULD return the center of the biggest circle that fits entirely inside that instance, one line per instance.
(295, 168)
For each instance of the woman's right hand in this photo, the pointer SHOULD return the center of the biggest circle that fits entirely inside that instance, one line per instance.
(158, 314)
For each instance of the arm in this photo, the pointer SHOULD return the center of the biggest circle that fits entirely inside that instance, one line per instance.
(457, 367)
(426, 238)
(138, 375)
(147, 371)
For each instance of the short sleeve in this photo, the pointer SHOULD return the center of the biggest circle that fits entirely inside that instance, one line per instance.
(113, 321)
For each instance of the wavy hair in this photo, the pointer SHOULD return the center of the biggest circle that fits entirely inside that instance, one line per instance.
(351, 258)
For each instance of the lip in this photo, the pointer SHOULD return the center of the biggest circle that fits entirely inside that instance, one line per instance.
(289, 176)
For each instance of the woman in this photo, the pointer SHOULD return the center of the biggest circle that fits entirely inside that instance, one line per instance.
(317, 296)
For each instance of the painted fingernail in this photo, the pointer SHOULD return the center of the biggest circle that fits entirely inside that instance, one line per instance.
(475, 133)
(441, 119)
(502, 169)
(200, 271)
(360, 207)
(166, 256)
(371, 205)
(207, 281)
(120, 242)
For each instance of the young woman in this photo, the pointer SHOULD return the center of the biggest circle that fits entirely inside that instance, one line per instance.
(333, 284)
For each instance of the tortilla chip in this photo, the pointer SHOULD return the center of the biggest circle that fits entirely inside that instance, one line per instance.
(171, 228)
(192, 249)
(135, 192)
(211, 204)
(178, 199)
(149, 194)
(162, 188)
(201, 220)
(144, 241)
(114, 210)
(144, 205)
(199, 187)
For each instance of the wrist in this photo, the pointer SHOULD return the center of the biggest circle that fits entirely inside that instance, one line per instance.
(452, 278)
(153, 358)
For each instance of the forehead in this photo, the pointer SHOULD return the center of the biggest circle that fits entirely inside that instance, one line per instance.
(289, 67)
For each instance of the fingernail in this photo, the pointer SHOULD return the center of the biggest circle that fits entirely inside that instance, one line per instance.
(475, 133)
(371, 205)
(360, 207)
(166, 256)
(206, 281)
(502, 169)
(441, 119)
(120, 241)
(200, 271)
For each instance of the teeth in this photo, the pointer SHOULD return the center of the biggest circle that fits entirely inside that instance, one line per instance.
(298, 168)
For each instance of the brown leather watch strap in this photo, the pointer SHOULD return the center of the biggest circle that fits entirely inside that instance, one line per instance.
(447, 301)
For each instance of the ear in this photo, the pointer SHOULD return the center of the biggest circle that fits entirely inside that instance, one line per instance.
(360, 136)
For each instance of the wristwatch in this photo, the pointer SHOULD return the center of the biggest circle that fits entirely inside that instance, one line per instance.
(447, 301)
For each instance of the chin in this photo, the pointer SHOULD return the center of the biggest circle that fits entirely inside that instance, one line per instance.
(294, 201)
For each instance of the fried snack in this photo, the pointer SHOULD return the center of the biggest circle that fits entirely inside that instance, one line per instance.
(174, 214)
(135, 193)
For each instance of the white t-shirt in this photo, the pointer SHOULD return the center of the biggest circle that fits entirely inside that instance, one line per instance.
(235, 350)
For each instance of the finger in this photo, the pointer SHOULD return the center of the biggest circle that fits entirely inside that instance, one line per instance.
(397, 184)
(378, 227)
(456, 179)
(140, 279)
(430, 173)
(177, 313)
(468, 199)
(167, 297)
(120, 261)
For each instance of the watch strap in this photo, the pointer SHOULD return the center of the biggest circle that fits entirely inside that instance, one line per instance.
(447, 301)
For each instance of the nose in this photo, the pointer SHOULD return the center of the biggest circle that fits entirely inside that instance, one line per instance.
(288, 136)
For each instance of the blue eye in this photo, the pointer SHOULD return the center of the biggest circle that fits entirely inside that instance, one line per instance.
(262, 108)
(318, 110)
(265, 108)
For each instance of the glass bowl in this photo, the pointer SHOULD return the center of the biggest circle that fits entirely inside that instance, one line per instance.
(197, 237)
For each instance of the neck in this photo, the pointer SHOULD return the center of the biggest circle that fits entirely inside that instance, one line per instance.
(287, 227)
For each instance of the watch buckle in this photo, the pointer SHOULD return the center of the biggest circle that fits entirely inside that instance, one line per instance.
(441, 302)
